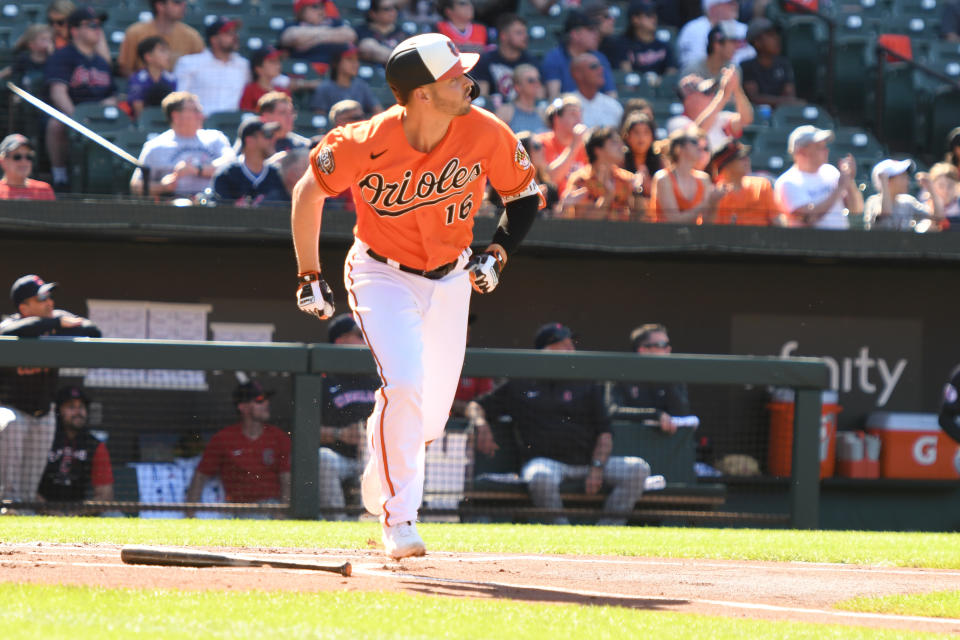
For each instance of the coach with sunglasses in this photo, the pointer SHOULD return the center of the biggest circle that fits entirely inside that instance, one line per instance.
(17, 159)
(652, 401)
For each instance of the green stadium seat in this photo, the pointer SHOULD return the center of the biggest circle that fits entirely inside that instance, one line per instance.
(668, 86)
(226, 121)
(899, 114)
(852, 58)
(790, 116)
(310, 124)
(943, 117)
(632, 85)
(857, 141)
(101, 118)
(803, 43)
(152, 120)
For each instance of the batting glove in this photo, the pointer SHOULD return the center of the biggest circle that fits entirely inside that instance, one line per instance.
(314, 296)
(485, 271)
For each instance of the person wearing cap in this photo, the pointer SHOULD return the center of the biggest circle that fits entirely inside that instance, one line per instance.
(721, 45)
(218, 74)
(315, 36)
(249, 181)
(458, 25)
(892, 207)
(703, 107)
(277, 106)
(76, 74)
(659, 403)
(638, 49)
(601, 189)
(267, 77)
(564, 433)
(182, 159)
(251, 456)
(344, 84)
(813, 193)
(78, 464)
(768, 78)
(154, 82)
(522, 113)
(601, 13)
(580, 35)
(563, 143)
(746, 200)
(416, 173)
(380, 32)
(17, 159)
(27, 422)
(168, 24)
(496, 69)
(348, 401)
(692, 39)
(598, 109)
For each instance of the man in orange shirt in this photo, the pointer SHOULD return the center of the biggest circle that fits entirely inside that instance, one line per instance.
(563, 144)
(417, 174)
(17, 159)
(747, 200)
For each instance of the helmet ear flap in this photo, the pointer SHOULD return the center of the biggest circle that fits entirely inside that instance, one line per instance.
(474, 88)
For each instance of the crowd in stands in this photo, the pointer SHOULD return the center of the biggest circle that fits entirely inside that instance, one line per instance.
(600, 155)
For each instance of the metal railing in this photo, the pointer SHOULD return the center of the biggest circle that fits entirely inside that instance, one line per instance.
(306, 362)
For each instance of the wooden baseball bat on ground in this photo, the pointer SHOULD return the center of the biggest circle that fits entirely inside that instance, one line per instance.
(168, 557)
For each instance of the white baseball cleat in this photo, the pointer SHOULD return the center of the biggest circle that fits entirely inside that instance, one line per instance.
(402, 541)
(370, 488)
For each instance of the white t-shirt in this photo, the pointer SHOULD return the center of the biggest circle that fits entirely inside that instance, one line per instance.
(601, 111)
(906, 209)
(795, 189)
(692, 41)
(717, 135)
(163, 153)
(218, 85)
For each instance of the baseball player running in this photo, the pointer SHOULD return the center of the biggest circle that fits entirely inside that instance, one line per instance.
(416, 173)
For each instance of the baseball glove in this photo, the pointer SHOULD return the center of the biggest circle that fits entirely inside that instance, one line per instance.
(485, 270)
(314, 296)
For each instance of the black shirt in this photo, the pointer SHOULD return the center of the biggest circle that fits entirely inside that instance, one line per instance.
(235, 181)
(629, 400)
(497, 72)
(950, 406)
(653, 56)
(347, 399)
(560, 420)
(770, 80)
(69, 467)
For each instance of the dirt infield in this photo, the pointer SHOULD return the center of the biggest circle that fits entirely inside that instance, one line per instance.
(802, 592)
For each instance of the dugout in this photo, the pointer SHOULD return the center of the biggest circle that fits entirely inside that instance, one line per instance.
(875, 303)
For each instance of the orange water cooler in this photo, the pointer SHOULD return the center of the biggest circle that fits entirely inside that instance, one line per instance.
(912, 445)
(780, 449)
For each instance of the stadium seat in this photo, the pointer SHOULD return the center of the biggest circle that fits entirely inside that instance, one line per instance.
(857, 141)
(790, 116)
(803, 41)
(853, 56)
(899, 113)
(226, 121)
(152, 119)
(631, 84)
(101, 118)
(310, 124)
(944, 110)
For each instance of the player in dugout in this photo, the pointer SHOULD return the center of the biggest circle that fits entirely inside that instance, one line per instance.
(417, 172)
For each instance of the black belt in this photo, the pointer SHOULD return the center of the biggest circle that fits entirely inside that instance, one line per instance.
(433, 274)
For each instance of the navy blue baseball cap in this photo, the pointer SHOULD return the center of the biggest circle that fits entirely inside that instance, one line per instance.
(251, 390)
(221, 24)
(550, 334)
(71, 393)
(28, 286)
(340, 326)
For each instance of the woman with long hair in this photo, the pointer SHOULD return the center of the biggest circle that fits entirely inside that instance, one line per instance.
(681, 192)
(640, 158)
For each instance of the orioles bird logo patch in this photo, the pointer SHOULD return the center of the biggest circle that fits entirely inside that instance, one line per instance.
(520, 156)
(325, 160)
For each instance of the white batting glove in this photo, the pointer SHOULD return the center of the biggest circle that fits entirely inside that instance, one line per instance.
(314, 296)
(485, 271)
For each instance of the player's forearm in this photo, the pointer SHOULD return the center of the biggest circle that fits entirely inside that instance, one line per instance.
(305, 221)
(195, 491)
(517, 219)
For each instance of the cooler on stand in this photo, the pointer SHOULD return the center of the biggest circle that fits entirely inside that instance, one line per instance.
(780, 447)
(914, 446)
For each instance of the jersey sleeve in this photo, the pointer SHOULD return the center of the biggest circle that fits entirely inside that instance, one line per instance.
(510, 171)
(102, 473)
(334, 162)
(210, 462)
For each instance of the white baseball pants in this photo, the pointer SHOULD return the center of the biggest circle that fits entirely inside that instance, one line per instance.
(25, 441)
(417, 331)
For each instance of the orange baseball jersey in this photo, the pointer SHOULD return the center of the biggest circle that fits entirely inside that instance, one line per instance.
(417, 208)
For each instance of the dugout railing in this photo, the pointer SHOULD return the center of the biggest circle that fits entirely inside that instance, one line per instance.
(305, 363)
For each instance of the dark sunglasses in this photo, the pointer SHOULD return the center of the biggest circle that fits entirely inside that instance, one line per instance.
(655, 345)
(595, 65)
(56, 23)
(532, 80)
(17, 157)
(388, 8)
(91, 24)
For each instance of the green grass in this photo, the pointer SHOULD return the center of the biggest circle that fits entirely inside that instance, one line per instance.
(942, 604)
(50, 612)
(931, 550)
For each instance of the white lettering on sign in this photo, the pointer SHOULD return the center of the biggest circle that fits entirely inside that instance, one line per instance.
(925, 450)
(847, 371)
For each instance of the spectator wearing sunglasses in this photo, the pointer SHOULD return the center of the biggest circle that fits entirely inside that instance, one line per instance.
(58, 15)
(599, 109)
(76, 74)
(17, 159)
(250, 181)
(656, 402)
(522, 114)
(168, 24)
(377, 37)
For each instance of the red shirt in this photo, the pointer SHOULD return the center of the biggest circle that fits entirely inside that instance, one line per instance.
(253, 92)
(102, 472)
(552, 148)
(473, 38)
(34, 190)
(470, 388)
(249, 469)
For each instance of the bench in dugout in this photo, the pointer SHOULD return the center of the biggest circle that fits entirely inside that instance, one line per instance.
(495, 491)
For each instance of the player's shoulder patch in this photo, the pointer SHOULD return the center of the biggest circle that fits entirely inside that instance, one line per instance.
(324, 159)
(520, 156)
